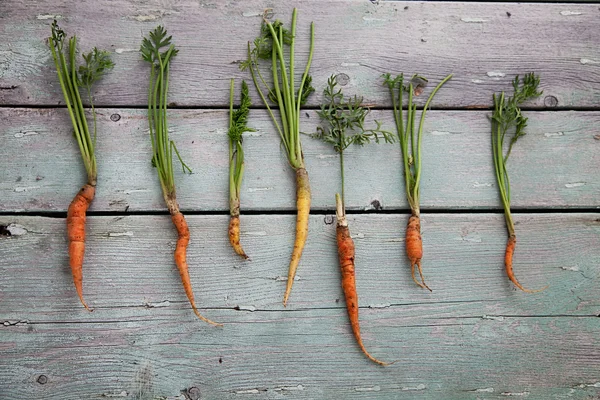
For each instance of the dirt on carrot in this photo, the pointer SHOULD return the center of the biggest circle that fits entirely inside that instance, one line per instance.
(414, 248)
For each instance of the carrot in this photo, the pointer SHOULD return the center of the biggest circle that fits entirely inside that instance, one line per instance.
(507, 114)
(237, 127)
(410, 147)
(342, 124)
(303, 207)
(271, 45)
(97, 62)
(162, 148)
(345, 246)
(76, 235)
(414, 248)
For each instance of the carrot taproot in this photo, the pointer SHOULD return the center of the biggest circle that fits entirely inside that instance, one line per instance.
(234, 236)
(414, 248)
(346, 254)
(271, 45)
(96, 64)
(76, 216)
(507, 114)
(303, 207)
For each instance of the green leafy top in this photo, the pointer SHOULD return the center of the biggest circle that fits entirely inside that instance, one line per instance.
(342, 116)
(152, 45)
(239, 117)
(97, 63)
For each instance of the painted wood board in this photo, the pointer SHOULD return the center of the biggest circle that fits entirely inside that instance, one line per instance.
(473, 337)
(554, 166)
(483, 44)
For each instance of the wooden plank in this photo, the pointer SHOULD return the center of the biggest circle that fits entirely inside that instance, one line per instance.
(129, 264)
(143, 354)
(483, 44)
(554, 165)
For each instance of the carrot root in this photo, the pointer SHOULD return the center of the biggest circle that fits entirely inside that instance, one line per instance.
(508, 263)
(76, 217)
(346, 256)
(183, 240)
(234, 236)
(303, 207)
(414, 249)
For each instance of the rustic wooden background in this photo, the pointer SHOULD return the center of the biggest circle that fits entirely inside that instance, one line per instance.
(474, 337)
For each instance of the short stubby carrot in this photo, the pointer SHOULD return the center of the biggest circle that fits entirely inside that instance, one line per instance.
(234, 235)
(76, 216)
(346, 255)
(183, 240)
(303, 207)
(414, 248)
(508, 263)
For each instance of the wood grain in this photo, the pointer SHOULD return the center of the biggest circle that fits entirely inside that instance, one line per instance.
(554, 166)
(483, 44)
(473, 337)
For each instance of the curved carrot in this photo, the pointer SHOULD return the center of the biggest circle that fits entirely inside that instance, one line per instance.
(303, 207)
(508, 263)
(76, 235)
(183, 239)
(346, 255)
(414, 248)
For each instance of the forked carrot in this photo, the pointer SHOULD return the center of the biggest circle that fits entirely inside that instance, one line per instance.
(153, 51)
(271, 45)
(97, 62)
(410, 147)
(507, 114)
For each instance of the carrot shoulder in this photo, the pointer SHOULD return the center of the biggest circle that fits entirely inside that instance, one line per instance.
(76, 216)
(414, 248)
(303, 207)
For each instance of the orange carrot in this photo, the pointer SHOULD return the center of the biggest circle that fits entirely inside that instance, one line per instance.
(508, 263)
(303, 207)
(76, 235)
(183, 240)
(414, 248)
(346, 255)
(234, 236)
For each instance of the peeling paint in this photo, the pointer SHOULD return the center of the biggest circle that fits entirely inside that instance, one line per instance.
(420, 386)
(368, 389)
(496, 74)
(515, 394)
(165, 303)
(477, 81)
(474, 20)
(252, 14)
(439, 133)
(25, 188)
(23, 134)
(493, 317)
(588, 61)
(554, 134)
(575, 268)
(359, 235)
(130, 191)
(16, 230)
(120, 394)
(480, 185)
(247, 391)
(246, 308)
(567, 13)
(325, 156)
(371, 19)
(289, 388)
(350, 64)
(263, 189)
(144, 18)
(48, 16)
(117, 234)
(121, 50)
(379, 305)
(574, 184)
(255, 233)
(485, 390)
(395, 240)
(15, 322)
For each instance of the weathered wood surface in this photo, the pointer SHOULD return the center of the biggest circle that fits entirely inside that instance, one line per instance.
(473, 337)
(483, 44)
(554, 166)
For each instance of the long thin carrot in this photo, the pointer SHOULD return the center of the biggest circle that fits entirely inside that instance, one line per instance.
(410, 146)
(163, 148)
(507, 114)
(96, 63)
(345, 246)
(270, 45)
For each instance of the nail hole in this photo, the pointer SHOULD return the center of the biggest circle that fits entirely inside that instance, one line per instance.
(42, 379)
